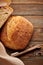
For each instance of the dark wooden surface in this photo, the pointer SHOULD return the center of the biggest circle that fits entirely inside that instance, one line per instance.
(27, 1)
(33, 11)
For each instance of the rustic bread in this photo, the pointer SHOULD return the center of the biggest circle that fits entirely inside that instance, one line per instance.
(16, 33)
(4, 3)
(5, 12)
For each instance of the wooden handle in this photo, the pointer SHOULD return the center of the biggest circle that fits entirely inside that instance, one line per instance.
(25, 51)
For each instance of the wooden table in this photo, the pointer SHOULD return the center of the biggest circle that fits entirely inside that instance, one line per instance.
(33, 11)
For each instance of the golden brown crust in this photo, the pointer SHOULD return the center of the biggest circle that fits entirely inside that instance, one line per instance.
(5, 3)
(5, 12)
(16, 33)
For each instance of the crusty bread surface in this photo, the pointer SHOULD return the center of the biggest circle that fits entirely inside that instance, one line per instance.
(16, 33)
(5, 12)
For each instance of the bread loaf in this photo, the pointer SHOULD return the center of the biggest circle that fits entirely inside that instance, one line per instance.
(4, 3)
(16, 33)
(5, 12)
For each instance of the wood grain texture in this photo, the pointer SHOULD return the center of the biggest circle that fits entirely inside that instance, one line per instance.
(27, 1)
(37, 21)
(38, 35)
(20, 9)
(33, 61)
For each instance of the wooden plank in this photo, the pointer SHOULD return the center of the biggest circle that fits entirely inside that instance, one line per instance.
(27, 1)
(33, 61)
(38, 35)
(37, 21)
(20, 9)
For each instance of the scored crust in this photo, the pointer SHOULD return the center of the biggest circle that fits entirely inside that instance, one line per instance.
(17, 32)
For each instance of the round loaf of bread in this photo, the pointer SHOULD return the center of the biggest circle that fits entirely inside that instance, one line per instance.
(16, 33)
